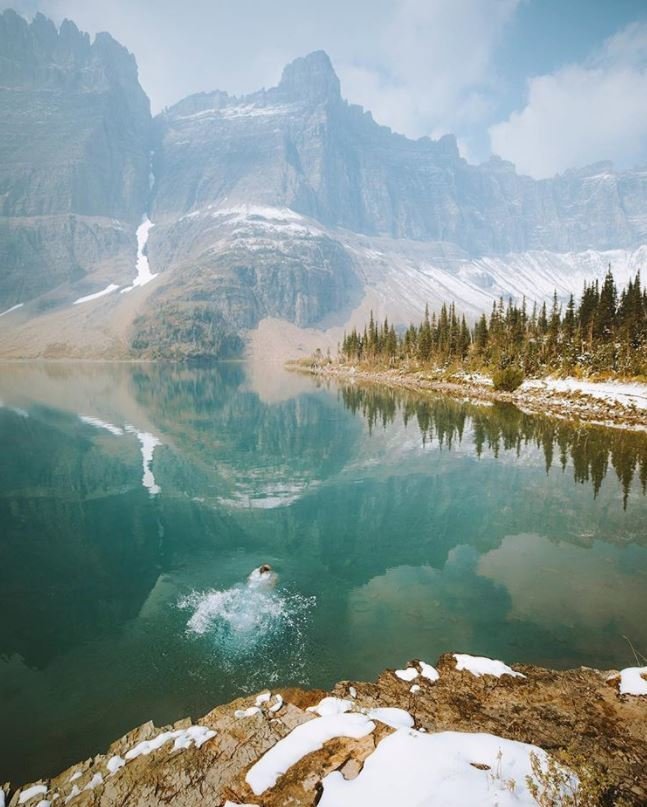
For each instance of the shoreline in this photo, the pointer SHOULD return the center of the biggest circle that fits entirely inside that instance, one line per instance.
(574, 406)
(287, 745)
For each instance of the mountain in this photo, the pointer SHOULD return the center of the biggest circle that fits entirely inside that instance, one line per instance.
(75, 131)
(288, 209)
(301, 146)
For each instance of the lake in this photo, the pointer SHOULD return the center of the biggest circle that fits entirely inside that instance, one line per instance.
(136, 499)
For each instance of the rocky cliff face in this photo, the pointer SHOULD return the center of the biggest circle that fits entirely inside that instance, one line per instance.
(300, 145)
(459, 733)
(74, 155)
(288, 203)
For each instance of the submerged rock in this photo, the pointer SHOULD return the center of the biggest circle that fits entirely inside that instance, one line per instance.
(506, 716)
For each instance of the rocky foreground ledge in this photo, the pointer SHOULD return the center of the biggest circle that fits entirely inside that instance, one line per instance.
(468, 731)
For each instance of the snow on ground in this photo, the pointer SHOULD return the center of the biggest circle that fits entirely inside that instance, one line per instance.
(331, 706)
(633, 395)
(475, 378)
(437, 770)
(108, 290)
(34, 790)
(142, 267)
(72, 794)
(429, 672)
(13, 308)
(194, 735)
(391, 716)
(183, 738)
(479, 665)
(96, 780)
(407, 675)
(253, 710)
(301, 741)
(632, 681)
(115, 763)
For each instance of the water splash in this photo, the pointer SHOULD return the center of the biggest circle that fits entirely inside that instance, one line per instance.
(252, 620)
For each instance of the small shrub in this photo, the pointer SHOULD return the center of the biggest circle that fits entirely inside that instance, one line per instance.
(570, 780)
(507, 379)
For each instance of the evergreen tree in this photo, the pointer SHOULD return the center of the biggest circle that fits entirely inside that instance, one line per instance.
(602, 333)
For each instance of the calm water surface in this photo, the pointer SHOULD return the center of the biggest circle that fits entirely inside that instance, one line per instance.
(134, 501)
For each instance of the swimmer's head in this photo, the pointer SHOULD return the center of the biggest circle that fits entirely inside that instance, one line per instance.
(262, 576)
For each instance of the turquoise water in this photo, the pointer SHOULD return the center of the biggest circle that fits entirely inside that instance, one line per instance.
(135, 500)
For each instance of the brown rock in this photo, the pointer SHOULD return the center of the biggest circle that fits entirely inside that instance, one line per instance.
(577, 711)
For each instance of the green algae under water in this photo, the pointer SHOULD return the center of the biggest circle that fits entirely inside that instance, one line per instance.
(135, 500)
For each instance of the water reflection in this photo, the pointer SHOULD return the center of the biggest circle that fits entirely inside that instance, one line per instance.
(530, 567)
(497, 428)
(399, 527)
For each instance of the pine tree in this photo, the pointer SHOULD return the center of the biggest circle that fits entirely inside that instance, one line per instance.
(605, 313)
(602, 333)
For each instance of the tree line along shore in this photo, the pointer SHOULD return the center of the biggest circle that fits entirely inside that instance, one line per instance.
(603, 335)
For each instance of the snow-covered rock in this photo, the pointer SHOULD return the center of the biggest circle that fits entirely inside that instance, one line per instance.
(480, 665)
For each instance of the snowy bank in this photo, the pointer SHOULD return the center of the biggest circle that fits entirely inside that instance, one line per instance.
(615, 404)
(475, 731)
(632, 395)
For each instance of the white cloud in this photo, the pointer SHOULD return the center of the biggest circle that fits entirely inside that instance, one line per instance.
(583, 113)
(432, 69)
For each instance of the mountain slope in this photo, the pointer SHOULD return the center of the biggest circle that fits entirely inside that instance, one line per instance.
(74, 156)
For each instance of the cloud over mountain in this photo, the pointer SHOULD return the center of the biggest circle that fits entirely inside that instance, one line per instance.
(583, 112)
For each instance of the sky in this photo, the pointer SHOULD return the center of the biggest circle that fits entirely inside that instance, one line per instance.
(547, 84)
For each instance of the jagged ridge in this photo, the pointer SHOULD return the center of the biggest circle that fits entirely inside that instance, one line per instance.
(374, 219)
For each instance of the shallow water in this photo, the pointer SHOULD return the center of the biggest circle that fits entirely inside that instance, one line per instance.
(135, 500)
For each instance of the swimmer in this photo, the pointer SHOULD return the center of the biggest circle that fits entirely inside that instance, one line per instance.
(262, 576)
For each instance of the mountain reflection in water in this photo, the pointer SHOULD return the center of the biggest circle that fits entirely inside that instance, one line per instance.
(399, 527)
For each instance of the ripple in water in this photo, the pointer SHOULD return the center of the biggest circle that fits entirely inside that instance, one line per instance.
(253, 620)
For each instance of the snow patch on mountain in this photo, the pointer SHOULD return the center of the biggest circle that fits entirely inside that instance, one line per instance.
(142, 267)
(230, 112)
(89, 297)
(406, 276)
(13, 308)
